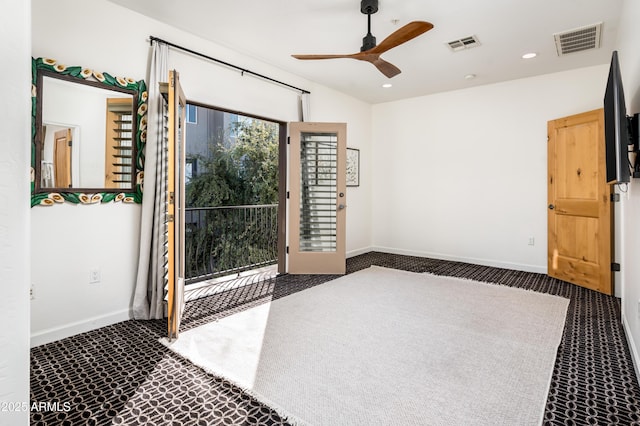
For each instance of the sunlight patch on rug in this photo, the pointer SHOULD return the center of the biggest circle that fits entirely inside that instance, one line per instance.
(383, 346)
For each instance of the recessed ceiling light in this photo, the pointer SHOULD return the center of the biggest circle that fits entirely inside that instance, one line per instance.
(530, 55)
(387, 85)
(470, 76)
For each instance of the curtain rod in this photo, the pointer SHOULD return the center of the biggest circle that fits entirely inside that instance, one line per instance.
(243, 70)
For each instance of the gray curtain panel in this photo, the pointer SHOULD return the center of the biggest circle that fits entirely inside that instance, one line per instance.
(149, 291)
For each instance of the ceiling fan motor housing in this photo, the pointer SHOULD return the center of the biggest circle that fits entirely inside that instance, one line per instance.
(368, 42)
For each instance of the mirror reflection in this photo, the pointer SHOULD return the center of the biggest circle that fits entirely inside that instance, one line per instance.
(87, 138)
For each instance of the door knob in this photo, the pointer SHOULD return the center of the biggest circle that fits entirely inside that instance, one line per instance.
(551, 207)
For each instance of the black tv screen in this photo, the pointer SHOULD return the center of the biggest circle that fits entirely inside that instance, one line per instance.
(616, 132)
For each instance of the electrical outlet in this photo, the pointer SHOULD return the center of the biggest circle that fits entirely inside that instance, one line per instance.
(532, 241)
(32, 293)
(94, 276)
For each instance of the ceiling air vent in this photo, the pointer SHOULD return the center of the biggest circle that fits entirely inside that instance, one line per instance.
(578, 39)
(463, 43)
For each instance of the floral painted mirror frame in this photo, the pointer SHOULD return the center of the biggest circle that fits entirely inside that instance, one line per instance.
(48, 197)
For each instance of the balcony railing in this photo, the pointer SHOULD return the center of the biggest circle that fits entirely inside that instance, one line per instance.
(225, 240)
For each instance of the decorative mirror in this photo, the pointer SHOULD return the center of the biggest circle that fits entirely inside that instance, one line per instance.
(88, 135)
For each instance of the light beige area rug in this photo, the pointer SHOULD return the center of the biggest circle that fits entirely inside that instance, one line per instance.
(383, 346)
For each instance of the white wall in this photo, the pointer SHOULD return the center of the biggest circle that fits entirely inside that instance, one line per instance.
(629, 232)
(462, 175)
(67, 240)
(15, 108)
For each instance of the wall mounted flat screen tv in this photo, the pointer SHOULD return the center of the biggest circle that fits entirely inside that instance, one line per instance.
(616, 131)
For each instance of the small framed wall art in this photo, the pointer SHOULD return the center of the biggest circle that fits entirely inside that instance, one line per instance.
(353, 167)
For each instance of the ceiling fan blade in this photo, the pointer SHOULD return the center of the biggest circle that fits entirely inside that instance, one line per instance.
(304, 57)
(386, 68)
(402, 35)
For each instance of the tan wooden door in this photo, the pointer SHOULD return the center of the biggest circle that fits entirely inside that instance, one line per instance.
(579, 202)
(176, 204)
(317, 204)
(62, 158)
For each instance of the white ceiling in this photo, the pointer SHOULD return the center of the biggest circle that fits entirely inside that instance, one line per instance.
(273, 30)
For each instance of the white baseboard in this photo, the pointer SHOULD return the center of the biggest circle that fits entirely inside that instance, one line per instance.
(358, 252)
(474, 261)
(56, 333)
(635, 356)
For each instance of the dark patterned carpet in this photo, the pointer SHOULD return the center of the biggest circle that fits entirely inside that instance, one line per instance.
(121, 374)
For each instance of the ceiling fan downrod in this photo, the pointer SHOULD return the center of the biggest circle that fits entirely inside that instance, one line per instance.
(368, 7)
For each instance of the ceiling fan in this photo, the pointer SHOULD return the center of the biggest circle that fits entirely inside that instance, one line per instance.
(371, 52)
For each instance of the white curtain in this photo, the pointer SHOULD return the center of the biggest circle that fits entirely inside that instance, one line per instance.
(305, 106)
(149, 292)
